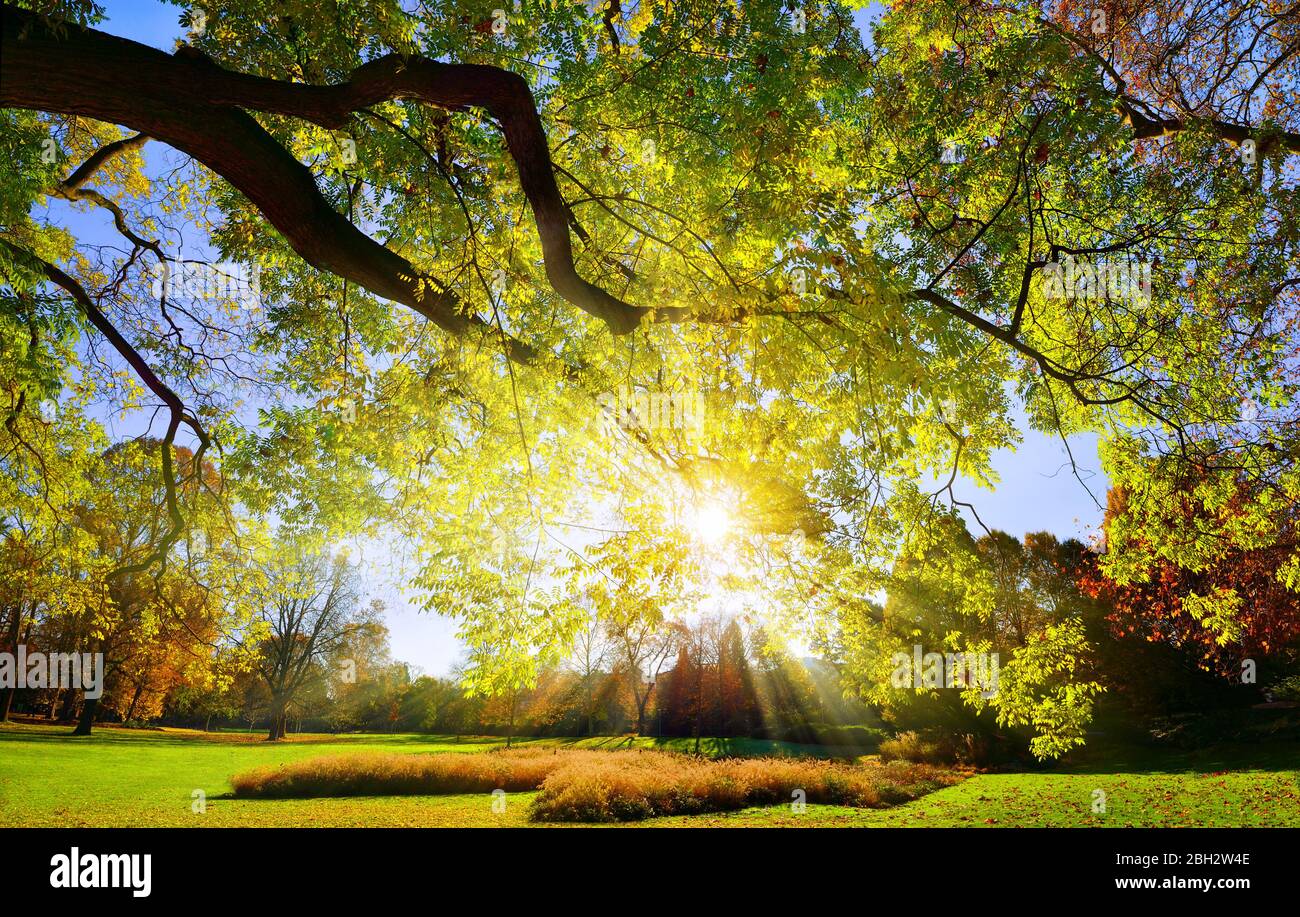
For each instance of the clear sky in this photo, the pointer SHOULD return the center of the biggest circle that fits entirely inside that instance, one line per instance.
(1038, 490)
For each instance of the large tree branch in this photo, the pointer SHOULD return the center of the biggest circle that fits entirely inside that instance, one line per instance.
(189, 102)
(1265, 137)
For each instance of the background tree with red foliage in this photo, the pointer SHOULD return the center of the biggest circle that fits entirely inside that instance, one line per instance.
(1171, 607)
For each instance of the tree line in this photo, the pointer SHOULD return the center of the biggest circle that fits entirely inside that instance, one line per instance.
(289, 643)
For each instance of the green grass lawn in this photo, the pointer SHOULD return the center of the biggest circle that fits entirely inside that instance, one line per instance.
(120, 777)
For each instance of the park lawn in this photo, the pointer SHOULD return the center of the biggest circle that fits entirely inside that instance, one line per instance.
(118, 778)
(130, 777)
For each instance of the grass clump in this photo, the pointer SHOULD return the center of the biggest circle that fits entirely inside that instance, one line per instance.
(395, 774)
(630, 787)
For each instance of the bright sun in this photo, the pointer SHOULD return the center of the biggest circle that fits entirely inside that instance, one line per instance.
(711, 522)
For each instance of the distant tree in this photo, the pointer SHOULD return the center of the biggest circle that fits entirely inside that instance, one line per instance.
(738, 711)
(428, 703)
(786, 693)
(642, 647)
(995, 594)
(361, 680)
(592, 650)
(205, 702)
(704, 641)
(309, 608)
(676, 704)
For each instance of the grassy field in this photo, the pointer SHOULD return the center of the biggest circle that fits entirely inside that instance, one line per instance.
(129, 778)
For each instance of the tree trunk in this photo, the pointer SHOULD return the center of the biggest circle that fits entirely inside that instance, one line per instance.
(87, 717)
(699, 704)
(11, 646)
(641, 704)
(91, 707)
(278, 718)
(135, 699)
(722, 697)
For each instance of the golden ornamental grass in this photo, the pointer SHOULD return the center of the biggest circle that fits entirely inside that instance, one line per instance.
(658, 783)
(379, 774)
(600, 786)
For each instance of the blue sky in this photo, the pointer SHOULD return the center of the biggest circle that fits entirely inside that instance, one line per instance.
(1038, 490)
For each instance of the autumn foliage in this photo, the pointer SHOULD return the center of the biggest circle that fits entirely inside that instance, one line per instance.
(1164, 608)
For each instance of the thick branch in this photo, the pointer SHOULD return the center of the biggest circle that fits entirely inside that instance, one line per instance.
(1147, 122)
(97, 159)
(1266, 138)
(191, 103)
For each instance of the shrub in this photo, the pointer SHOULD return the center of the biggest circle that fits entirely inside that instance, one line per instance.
(1200, 730)
(909, 746)
(1286, 689)
(942, 748)
(864, 737)
(139, 724)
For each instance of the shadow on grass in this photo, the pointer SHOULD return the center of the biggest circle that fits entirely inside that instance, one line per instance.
(59, 732)
(710, 747)
(1103, 758)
